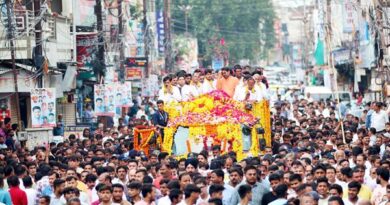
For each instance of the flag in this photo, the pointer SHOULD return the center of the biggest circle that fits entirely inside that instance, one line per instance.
(222, 41)
(319, 53)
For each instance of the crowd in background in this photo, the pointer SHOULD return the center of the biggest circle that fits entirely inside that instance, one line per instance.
(318, 156)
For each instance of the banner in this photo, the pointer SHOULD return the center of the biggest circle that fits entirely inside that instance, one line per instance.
(133, 73)
(43, 107)
(350, 17)
(217, 63)
(124, 96)
(86, 48)
(110, 92)
(99, 99)
(160, 31)
(110, 98)
(85, 14)
(188, 60)
(149, 88)
(76, 130)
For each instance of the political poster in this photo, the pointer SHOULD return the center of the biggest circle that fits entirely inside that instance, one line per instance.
(110, 92)
(99, 99)
(86, 49)
(149, 88)
(217, 63)
(110, 98)
(43, 107)
(126, 95)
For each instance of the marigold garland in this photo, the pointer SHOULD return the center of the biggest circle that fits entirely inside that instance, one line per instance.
(254, 150)
(262, 111)
(168, 139)
(196, 133)
(218, 116)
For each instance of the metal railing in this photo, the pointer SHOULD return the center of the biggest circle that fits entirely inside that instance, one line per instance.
(25, 23)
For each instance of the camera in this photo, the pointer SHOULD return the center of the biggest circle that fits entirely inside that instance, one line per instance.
(260, 130)
(248, 106)
(246, 130)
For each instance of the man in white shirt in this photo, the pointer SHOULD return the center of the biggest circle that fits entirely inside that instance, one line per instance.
(239, 76)
(30, 192)
(261, 86)
(379, 193)
(169, 93)
(209, 83)
(379, 118)
(57, 197)
(187, 91)
(248, 93)
(196, 82)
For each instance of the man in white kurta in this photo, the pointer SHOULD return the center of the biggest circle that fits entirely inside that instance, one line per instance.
(208, 83)
(249, 92)
(188, 92)
(169, 93)
(261, 87)
(196, 82)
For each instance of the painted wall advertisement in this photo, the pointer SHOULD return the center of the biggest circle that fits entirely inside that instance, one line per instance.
(110, 98)
(43, 107)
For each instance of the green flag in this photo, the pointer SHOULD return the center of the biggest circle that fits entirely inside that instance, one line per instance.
(319, 53)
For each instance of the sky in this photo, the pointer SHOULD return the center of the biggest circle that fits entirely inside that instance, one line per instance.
(292, 3)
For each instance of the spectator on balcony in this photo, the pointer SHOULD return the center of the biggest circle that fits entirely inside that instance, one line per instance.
(46, 7)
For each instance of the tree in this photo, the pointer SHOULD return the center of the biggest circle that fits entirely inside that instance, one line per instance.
(228, 27)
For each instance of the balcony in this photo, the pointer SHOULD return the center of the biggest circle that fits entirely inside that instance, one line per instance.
(55, 33)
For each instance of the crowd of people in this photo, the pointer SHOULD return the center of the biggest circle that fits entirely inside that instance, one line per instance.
(318, 156)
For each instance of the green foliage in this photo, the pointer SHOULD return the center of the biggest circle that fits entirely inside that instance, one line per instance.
(236, 21)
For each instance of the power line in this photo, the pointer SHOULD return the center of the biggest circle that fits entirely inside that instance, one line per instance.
(217, 29)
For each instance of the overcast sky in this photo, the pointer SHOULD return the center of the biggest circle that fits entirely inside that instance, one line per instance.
(292, 3)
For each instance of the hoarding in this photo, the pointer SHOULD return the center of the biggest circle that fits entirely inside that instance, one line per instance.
(43, 107)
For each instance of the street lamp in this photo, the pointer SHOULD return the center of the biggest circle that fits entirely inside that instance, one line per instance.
(186, 9)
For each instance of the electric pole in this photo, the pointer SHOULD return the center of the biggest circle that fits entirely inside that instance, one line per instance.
(101, 51)
(168, 38)
(38, 39)
(11, 38)
(121, 37)
(146, 36)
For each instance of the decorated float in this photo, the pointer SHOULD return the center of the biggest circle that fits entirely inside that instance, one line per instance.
(216, 119)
